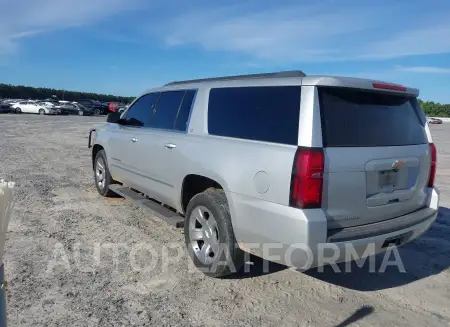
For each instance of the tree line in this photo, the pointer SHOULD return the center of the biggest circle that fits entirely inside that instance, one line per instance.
(40, 93)
(434, 109)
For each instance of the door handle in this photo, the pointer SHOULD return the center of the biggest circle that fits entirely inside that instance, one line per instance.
(133, 139)
(170, 145)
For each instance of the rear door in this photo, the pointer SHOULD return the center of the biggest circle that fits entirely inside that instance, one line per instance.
(377, 157)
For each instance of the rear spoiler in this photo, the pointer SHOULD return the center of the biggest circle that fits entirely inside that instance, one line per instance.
(359, 83)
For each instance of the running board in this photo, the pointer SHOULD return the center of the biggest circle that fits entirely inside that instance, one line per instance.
(157, 209)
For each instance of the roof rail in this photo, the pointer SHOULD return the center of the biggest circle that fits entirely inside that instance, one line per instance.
(290, 73)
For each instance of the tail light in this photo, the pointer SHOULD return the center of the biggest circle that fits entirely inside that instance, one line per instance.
(307, 178)
(433, 165)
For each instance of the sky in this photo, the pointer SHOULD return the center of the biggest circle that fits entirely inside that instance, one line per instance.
(124, 47)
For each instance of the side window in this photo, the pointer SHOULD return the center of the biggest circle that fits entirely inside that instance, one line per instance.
(185, 109)
(266, 113)
(140, 113)
(167, 109)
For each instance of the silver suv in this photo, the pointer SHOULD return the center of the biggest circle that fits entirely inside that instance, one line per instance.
(280, 165)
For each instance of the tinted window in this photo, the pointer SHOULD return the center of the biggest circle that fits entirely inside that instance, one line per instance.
(352, 118)
(185, 110)
(269, 113)
(141, 112)
(167, 109)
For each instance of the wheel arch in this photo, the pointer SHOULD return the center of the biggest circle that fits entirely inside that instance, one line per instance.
(195, 183)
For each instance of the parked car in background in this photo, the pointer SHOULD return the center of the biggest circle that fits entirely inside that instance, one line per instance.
(118, 106)
(122, 108)
(434, 120)
(73, 109)
(47, 103)
(12, 101)
(50, 101)
(5, 107)
(97, 107)
(112, 106)
(33, 107)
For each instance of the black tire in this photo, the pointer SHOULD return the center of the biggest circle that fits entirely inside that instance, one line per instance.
(97, 112)
(18, 111)
(80, 113)
(41, 112)
(230, 258)
(103, 190)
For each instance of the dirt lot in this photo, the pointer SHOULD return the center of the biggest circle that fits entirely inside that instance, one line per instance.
(68, 255)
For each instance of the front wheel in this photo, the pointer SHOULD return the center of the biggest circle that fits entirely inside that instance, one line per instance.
(102, 177)
(80, 113)
(18, 110)
(209, 235)
(97, 112)
(41, 112)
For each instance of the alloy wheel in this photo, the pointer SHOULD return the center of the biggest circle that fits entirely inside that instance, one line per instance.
(204, 235)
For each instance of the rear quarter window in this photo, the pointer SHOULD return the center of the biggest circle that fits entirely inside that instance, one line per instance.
(267, 113)
(358, 118)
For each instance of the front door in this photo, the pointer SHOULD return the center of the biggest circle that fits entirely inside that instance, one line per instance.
(124, 155)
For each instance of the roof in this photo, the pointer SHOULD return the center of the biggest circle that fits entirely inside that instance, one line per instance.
(282, 78)
(292, 73)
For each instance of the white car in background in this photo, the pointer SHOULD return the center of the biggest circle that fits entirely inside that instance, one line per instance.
(33, 107)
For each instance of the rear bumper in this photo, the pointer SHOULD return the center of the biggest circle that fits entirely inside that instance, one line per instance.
(300, 238)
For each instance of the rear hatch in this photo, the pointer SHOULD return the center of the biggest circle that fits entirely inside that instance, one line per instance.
(377, 157)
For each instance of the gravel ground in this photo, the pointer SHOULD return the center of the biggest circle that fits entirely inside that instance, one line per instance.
(71, 257)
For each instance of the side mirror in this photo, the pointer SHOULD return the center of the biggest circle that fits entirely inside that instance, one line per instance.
(114, 117)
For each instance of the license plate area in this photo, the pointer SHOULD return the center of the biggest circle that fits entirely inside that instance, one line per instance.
(387, 180)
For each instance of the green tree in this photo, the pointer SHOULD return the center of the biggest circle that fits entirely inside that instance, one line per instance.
(434, 109)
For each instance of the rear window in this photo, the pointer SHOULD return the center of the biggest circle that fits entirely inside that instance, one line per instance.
(356, 118)
(267, 113)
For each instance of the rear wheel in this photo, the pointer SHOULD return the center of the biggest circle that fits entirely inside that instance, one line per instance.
(209, 235)
(102, 177)
(97, 112)
(41, 112)
(80, 113)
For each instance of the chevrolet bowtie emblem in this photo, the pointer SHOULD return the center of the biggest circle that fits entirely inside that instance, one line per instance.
(398, 164)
